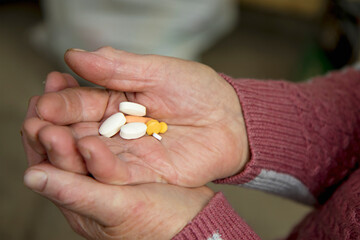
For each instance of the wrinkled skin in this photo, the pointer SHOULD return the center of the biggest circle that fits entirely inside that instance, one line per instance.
(206, 139)
(101, 211)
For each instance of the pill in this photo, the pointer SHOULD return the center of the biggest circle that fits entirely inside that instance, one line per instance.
(153, 127)
(132, 108)
(133, 130)
(130, 119)
(151, 121)
(164, 127)
(112, 125)
(157, 136)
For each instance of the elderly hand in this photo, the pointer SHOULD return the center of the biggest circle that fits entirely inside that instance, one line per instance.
(100, 211)
(206, 139)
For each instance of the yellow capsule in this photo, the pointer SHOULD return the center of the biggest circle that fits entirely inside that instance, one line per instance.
(164, 127)
(153, 127)
(152, 121)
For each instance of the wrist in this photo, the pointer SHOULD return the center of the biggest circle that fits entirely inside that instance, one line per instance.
(237, 126)
(195, 203)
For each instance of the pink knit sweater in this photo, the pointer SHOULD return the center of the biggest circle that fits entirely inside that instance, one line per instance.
(305, 145)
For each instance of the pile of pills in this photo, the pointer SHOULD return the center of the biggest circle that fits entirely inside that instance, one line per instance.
(134, 125)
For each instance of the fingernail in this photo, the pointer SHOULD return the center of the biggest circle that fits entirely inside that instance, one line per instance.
(85, 153)
(35, 180)
(47, 146)
(38, 113)
(76, 50)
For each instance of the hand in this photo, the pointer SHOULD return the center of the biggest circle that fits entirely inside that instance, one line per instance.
(35, 151)
(206, 139)
(95, 210)
(99, 211)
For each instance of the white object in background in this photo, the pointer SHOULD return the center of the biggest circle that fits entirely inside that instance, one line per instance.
(133, 130)
(132, 108)
(177, 28)
(112, 125)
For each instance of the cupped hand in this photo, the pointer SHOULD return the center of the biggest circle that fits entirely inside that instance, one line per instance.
(64, 155)
(206, 139)
(100, 211)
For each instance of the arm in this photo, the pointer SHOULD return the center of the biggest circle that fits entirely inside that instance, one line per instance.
(217, 221)
(93, 209)
(304, 141)
(304, 137)
(337, 218)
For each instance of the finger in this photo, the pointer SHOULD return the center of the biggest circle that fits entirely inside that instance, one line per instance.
(34, 150)
(102, 163)
(71, 81)
(61, 148)
(31, 111)
(77, 193)
(73, 105)
(84, 129)
(117, 70)
(31, 128)
(56, 81)
(33, 157)
(128, 166)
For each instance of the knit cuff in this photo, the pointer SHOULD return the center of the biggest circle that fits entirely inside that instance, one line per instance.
(217, 220)
(275, 133)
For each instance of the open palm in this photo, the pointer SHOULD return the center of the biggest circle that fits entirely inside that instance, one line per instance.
(206, 139)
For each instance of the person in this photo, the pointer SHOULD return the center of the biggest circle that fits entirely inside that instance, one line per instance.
(300, 141)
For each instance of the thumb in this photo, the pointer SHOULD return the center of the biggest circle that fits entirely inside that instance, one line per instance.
(116, 69)
(74, 192)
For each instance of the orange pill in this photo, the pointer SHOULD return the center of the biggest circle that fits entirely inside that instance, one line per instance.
(153, 127)
(164, 127)
(152, 121)
(130, 119)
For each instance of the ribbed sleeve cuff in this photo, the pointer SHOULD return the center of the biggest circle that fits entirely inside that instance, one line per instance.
(217, 220)
(275, 130)
(303, 138)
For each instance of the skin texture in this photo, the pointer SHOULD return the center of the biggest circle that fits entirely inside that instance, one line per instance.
(100, 211)
(206, 139)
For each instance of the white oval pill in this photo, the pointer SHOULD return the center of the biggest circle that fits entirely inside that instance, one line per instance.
(112, 125)
(133, 130)
(132, 108)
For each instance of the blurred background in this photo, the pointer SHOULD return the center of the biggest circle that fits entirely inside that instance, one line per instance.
(278, 39)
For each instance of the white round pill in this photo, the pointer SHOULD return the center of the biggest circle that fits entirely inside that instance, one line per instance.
(132, 108)
(133, 130)
(112, 125)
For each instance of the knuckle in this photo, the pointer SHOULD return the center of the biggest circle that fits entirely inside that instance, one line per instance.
(45, 130)
(29, 125)
(33, 99)
(65, 197)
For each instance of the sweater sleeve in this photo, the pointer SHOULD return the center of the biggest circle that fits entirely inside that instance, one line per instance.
(217, 221)
(337, 218)
(304, 138)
